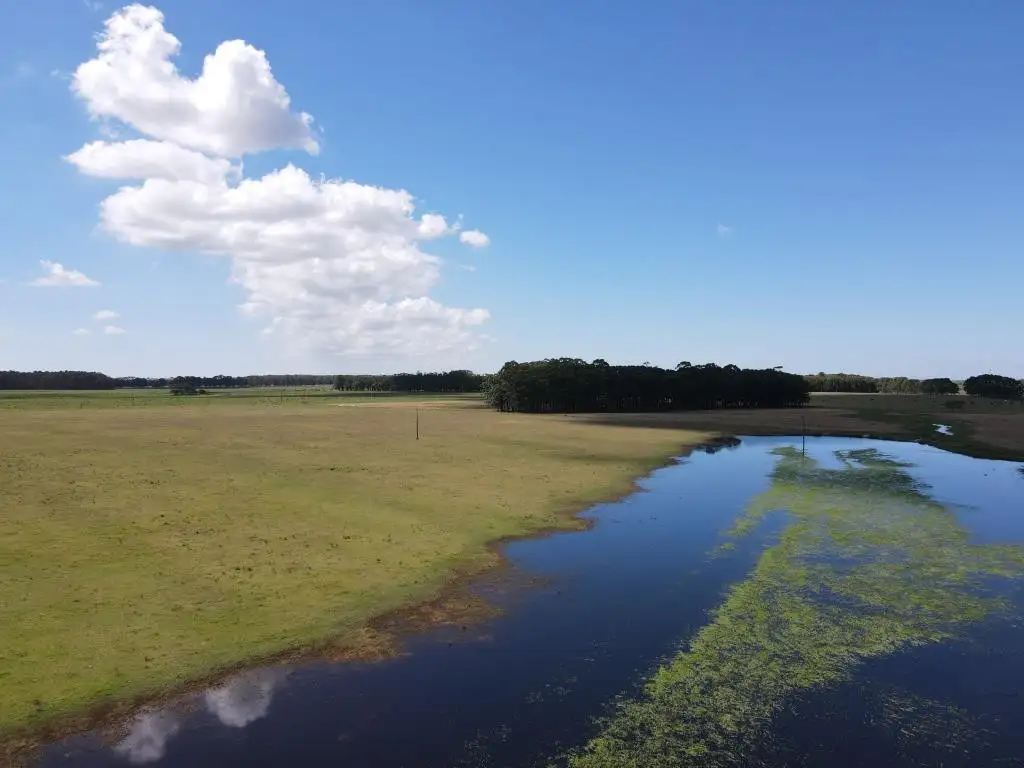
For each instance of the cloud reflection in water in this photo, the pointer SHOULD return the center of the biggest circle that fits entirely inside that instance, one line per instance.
(236, 704)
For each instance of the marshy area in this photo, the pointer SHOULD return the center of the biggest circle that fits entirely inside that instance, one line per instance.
(295, 564)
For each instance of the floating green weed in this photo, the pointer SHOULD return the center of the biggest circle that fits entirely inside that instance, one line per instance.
(868, 565)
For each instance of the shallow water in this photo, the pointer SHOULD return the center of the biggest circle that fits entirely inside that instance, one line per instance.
(618, 602)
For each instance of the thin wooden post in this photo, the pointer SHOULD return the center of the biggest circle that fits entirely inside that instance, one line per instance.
(417, 423)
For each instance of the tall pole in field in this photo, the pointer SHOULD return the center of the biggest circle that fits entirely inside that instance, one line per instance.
(417, 422)
(803, 439)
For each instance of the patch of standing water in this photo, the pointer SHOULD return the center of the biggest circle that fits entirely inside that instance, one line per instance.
(943, 429)
(619, 601)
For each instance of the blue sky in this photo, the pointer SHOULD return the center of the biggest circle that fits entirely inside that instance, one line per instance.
(823, 186)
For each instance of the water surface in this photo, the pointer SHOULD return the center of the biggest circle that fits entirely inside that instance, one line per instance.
(626, 598)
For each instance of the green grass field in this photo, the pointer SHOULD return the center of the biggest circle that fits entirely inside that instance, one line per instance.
(146, 545)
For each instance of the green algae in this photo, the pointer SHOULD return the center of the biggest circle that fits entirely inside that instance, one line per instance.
(868, 565)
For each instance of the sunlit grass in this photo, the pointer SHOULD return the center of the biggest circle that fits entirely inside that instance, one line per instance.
(144, 546)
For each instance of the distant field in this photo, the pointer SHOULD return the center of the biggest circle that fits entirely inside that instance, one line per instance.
(128, 398)
(145, 546)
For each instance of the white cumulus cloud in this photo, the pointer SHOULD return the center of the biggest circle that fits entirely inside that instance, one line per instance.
(328, 263)
(58, 276)
(80, 332)
(433, 225)
(106, 314)
(142, 159)
(475, 237)
(234, 107)
(113, 330)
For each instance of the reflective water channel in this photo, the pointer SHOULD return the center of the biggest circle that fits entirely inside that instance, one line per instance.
(859, 605)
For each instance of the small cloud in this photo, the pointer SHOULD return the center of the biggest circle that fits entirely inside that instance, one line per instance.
(724, 231)
(93, 5)
(433, 225)
(80, 332)
(59, 74)
(467, 267)
(475, 238)
(24, 69)
(106, 314)
(57, 276)
(113, 330)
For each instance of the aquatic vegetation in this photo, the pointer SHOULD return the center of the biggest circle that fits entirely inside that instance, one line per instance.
(868, 565)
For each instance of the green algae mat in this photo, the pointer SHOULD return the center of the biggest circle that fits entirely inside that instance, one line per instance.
(868, 565)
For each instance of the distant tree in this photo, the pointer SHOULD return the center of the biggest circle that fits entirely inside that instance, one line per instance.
(939, 387)
(841, 382)
(996, 387)
(898, 385)
(184, 385)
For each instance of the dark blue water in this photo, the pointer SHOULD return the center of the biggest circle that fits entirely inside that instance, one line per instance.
(617, 599)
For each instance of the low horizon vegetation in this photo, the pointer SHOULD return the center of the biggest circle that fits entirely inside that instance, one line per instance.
(461, 380)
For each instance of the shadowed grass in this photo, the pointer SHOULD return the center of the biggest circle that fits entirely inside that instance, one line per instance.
(143, 547)
(869, 565)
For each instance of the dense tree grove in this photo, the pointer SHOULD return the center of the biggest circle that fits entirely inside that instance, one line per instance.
(55, 380)
(990, 385)
(841, 382)
(444, 381)
(447, 381)
(569, 385)
(939, 387)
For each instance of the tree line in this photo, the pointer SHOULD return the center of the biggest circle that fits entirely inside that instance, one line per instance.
(894, 385)
(613, 379)
(568, 385)
(983, 385)
(441, 381)
(56, 380)
(94, 380)
(444, 381)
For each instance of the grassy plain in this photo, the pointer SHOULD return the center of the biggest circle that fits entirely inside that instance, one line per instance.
(145, 545)
(149, 540)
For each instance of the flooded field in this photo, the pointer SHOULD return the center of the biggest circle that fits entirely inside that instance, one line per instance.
(750, 605)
